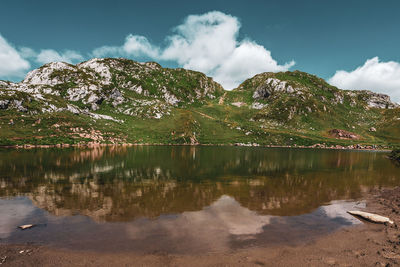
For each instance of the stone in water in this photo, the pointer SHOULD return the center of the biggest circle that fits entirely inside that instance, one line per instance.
(26, 226)
(371, 217)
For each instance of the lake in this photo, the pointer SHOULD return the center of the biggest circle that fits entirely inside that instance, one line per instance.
(183, 199)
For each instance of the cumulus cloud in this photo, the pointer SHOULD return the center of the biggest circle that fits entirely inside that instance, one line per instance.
(15, 62)
(27, 52)
(203, 42)
(208, 43)
(135, 45)
(139, 45)
(382, 77)
(12, 63)
(247, 60)
(50, 55)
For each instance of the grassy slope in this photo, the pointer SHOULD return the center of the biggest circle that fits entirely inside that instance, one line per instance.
(209, 122)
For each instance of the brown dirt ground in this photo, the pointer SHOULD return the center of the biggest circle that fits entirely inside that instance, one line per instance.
(366, 245)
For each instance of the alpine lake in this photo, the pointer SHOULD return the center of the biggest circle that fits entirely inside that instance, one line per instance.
(183, 199)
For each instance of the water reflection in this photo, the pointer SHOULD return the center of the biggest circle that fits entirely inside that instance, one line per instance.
(13, 212)
(222, 226)
(121, 183)
(243, 195)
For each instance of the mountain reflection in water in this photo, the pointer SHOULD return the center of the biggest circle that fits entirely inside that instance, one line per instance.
(222, 226)
(236, 191)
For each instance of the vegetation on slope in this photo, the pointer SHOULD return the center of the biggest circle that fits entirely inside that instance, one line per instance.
(122, 101)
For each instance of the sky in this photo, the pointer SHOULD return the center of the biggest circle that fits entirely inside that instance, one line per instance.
(351, 44)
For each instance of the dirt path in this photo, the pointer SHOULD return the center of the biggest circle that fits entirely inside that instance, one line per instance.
(205, 115)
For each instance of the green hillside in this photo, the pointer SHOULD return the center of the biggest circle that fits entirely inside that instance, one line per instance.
(122, 101)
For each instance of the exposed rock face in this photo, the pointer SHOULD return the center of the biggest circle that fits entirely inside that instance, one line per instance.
(257, 105)
(270, 86)
(303, 86)
(339, 97)
(122, 90)
(45, 74)
(299, 100)
(375, 100)
(4, 104)
(100, 68)
(370, 99)
(109, 80)
(93, 76)
(262, 92)
(14, 102)
(342, 134)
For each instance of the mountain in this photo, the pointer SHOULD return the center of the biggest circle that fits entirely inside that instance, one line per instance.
(122, 101)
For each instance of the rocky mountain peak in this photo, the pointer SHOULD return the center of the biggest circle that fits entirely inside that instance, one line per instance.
(44, 75)
(377, 100)
(273, 85)
(124, 84)
(303, 86)
(128, 99)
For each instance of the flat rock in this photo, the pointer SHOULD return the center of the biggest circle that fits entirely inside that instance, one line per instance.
(371, 217)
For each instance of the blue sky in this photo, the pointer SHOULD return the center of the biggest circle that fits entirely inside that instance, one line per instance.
(359, 38)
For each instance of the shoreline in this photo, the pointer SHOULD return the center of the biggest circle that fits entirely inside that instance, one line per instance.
(93, 145)
(368, 244)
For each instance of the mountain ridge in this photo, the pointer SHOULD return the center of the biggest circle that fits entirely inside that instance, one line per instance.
(117, 100)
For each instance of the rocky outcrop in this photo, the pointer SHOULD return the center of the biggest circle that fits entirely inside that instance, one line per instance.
(342, 134)
(273, 85)
(4, 104)
(303, 86)
(111, 81)
(269, 108)
(376, 100)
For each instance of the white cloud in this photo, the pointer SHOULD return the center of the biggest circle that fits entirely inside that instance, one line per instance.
(247, 60)
(11, 62)
(27, 52)
(382, 77)
(50, 55)
(207, 43)
(139, 45)
(203, 42)
(105, 51)
(135, 45)
(14, 63)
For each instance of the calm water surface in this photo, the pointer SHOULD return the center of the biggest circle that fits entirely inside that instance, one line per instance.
(183, 199)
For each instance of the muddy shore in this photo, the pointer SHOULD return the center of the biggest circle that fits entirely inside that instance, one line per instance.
(365, 245)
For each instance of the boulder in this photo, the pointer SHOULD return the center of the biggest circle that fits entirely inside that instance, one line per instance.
(4, 104)
(342, 134)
